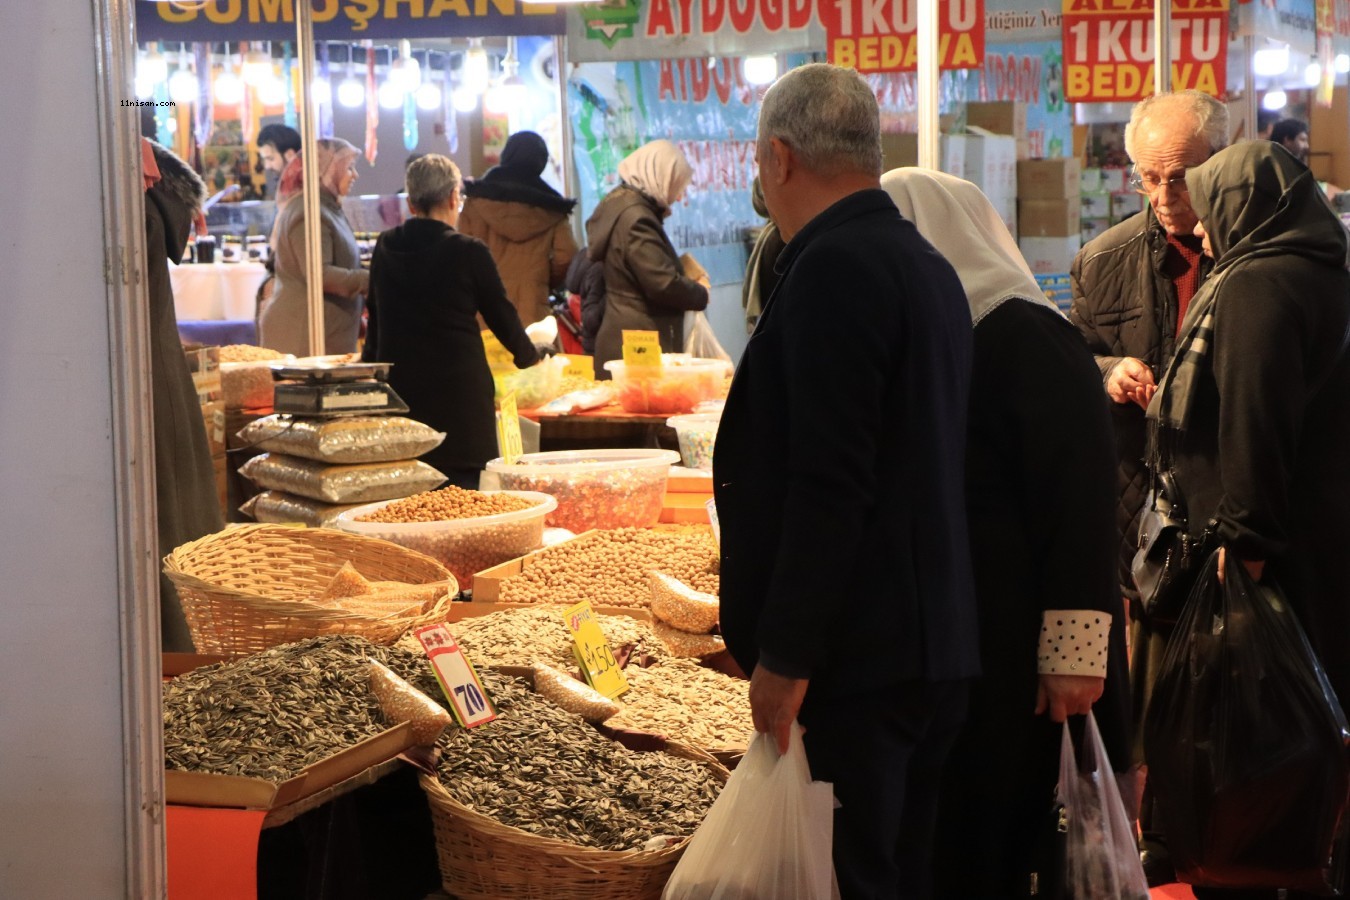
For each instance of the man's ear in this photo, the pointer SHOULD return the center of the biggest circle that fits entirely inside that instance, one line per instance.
(784, 162)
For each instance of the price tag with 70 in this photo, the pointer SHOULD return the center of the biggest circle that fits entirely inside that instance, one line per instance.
(593, 652)
(468, 700)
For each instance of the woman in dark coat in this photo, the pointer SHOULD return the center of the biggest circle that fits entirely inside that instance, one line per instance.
(1254, 410)
(1040, 497)
(646, 288)
(186, 503)
(428, 283)
(525, 223)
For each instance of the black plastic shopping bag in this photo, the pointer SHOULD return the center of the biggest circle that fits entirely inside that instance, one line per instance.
(1101, 855)
(1245, 741)
(768, 836)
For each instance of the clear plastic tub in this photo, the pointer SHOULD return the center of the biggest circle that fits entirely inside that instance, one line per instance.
(534, 386)
(696, 434)
(464, 546)
(676, 386)
(594, 488)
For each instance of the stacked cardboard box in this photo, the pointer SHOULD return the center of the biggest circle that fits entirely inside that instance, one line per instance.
(1048, 213)
(991, 163)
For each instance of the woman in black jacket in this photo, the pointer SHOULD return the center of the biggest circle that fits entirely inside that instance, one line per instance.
(427, 284)
(646, 288)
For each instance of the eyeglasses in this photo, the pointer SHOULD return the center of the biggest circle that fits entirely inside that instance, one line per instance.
(1147, 184)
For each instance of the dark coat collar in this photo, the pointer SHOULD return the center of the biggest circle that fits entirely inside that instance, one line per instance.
(859, 203)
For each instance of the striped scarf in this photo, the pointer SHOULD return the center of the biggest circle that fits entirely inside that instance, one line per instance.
(1170, 407)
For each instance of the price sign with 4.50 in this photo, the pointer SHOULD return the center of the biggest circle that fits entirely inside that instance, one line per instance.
(468, 701)
(593, 652)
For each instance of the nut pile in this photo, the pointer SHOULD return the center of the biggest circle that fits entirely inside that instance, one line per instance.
(610, 568)
(522, 637)
(272, 714)
(544, 770)
(448, 504)
(613, 498)
(440, 524)
(682, 700)
(248, 353)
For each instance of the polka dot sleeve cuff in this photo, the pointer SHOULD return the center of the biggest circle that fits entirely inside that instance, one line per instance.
(1073, 642)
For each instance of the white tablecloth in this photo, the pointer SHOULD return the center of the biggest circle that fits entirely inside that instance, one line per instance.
(216, 290)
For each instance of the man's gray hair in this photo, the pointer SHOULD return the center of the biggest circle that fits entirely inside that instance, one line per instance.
(828, 116)
(1210, 117)
(430, 181)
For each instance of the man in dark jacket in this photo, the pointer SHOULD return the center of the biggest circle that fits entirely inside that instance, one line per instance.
(1131, 287)
(839, 472)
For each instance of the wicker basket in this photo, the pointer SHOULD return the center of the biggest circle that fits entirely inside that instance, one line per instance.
(482, 859)
(250, 587)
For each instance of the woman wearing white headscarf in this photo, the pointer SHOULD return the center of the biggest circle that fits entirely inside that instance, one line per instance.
(646, 288)
(1040, 495)
(284, 324)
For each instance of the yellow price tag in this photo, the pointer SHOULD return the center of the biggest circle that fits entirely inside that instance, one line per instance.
(580, 366)
(498, 357)
(593, 652)
(641, 348)
(508, 430)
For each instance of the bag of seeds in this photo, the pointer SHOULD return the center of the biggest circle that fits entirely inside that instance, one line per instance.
(350, 439)
(401, 702)
(686, 645)
(359, 483)
(682, 607)
(282, 508)
(565, 691)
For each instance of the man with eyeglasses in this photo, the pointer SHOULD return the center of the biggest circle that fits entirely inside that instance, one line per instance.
(1131, 287)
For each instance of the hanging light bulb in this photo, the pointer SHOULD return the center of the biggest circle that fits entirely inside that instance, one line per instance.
(760, 69)
(463, 99)
(171, 125)
(390, 95)
(1274, 100)
(405, 71)
(1312, 75)
(322, 91)
(272, 92)
(507, 94)
(1271, 61)
(153, 67)
(352, 91)
(429, 96)
(476, 74)
(1342, 63)
(183, 83)
(145, 88)
(228, 88)
(257, 67)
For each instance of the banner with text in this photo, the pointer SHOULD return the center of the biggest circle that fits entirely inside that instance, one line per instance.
(1108, 48)
(338, 20)
(882, 35)
(679, 29)
(1292, 22)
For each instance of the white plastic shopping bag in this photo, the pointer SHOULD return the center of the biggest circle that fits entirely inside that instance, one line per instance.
(700, 341)
(769, 835)
(1101, 855)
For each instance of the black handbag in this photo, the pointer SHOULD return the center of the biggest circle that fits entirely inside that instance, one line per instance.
(1169, 558)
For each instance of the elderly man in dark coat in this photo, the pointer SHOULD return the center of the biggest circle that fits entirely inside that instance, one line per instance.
(839, 473)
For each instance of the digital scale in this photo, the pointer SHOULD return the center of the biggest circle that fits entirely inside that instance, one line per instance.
(334, 389)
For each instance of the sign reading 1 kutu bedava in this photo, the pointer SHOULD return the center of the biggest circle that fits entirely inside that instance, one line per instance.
(335, 20)
(1108, 48)
(882, 35)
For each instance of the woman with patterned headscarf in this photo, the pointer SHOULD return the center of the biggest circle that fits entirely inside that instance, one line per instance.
(646, 287)
(284, 324)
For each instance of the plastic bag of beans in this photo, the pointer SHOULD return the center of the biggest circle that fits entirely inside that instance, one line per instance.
(686, 645)
(357, 483)
(282, 508)
(350, 439)
(401, 702)
(682, 607)
(564, 691)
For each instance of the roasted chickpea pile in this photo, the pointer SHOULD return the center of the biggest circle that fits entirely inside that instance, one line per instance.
(446, 504)
(610, 568)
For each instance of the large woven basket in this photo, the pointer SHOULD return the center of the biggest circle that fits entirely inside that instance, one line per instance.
(249, 587)
(482, 859)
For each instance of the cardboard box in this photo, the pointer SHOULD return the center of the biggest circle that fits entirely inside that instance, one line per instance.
(204, 366)
(1048, 179)
(203, 789)
(1115, 179)
(903, 150)
(1002, 117)
(1050, 255)
(1090, 180)
(213, 417)
(1126, 204)
(1090, 228)
(1096, 205)
(1048, 218)
(991, 163)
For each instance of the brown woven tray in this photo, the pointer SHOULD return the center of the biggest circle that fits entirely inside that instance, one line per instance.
(249, 587)
(482, 859)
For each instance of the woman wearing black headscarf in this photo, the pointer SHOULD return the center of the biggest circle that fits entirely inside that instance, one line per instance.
(524, 222)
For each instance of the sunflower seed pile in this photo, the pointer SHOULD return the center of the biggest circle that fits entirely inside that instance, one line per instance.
(545, 771)
(272, 714)
(682, 700)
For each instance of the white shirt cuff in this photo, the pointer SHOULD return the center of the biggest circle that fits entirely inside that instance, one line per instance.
(1073, 642)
